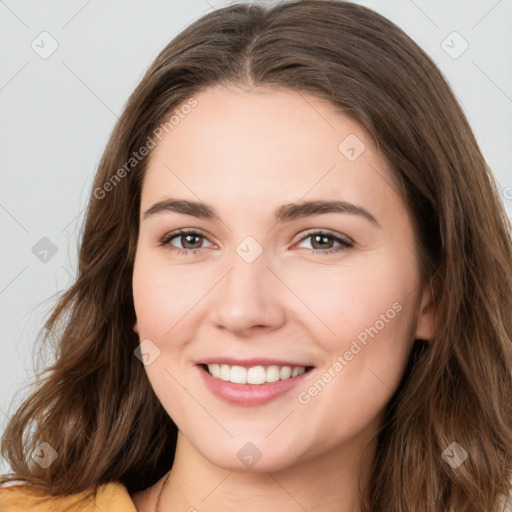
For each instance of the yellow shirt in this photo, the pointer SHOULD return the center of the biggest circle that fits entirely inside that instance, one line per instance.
(111, 497)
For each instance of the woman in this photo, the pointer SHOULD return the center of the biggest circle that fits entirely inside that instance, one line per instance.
(214, 354)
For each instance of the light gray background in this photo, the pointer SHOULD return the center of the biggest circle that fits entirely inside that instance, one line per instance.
(56, 114)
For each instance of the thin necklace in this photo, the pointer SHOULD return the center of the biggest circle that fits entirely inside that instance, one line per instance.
(161, 490)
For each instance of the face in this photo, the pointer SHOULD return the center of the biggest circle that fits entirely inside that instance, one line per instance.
(278, 311)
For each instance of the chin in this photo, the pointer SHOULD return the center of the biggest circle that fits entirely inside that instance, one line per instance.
(257, 456)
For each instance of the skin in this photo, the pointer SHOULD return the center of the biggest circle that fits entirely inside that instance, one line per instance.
(246, 152)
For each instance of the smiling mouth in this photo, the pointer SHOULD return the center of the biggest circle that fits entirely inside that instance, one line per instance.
(254, 375)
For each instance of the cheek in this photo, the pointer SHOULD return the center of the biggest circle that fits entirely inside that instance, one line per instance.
(361, 302)
(163, 295)
(370, 313)
(162, 300)
(364, 360)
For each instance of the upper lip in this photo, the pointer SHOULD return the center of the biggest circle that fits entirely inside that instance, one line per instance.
(248, 363)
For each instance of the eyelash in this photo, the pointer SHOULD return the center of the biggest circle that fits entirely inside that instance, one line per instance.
(166, 239)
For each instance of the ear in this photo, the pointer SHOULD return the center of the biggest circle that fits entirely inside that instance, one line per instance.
(136, 328)
(425, 315)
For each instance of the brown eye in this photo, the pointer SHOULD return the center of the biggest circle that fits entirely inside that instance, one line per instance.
(188, 239)
(192, 240)
(324, 243)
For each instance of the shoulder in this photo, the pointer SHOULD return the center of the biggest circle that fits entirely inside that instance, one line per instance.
(110, 497)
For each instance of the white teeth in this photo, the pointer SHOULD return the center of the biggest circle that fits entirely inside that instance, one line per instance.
(225, 372)
(285, 373)
(238, 375)
(298, 370)
(272, 373)
(254, 375)
(214, 370)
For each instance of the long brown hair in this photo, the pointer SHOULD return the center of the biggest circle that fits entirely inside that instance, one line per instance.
(95, 405)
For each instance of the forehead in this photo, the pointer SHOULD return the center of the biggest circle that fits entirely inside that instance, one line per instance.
(247, 144)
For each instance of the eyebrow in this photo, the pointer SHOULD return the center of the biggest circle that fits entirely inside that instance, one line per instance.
(285, 212)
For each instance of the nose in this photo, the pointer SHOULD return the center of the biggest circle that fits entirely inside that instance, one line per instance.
(248, 299)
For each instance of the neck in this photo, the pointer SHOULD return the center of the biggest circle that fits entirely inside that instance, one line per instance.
(327, 483)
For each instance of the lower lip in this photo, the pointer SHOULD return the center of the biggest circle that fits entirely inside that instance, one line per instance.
(249, 394)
